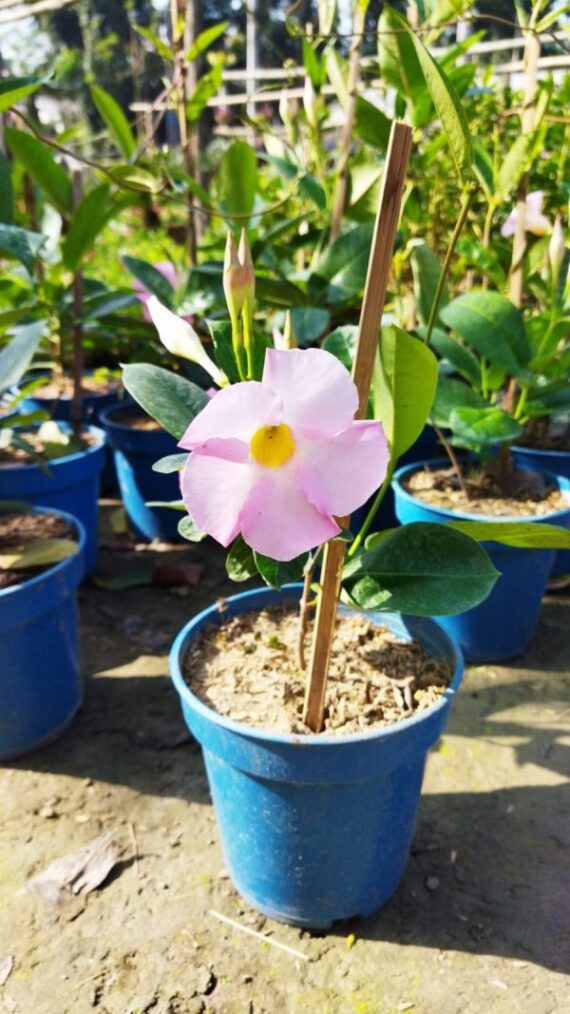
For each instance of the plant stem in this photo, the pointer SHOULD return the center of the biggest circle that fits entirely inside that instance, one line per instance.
(521, 403)
(454, 462)
(364, 529)
(466, 200)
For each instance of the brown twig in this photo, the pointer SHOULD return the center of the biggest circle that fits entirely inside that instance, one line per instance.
(454, 462)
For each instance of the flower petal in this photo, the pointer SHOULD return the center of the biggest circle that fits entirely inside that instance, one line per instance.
(340, 474)
(317, 392)
(235, 412)
(214, 491)
(278, 521)
(180, 338)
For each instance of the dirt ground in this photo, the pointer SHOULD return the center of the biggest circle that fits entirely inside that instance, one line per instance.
(480, 923)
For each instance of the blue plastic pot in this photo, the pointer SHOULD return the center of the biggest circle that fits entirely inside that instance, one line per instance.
(426, 446)
(503, 625)
(135, 452)
(71, 484)
(314, 828)
(552, 463)
(40, 674)
(92, 407)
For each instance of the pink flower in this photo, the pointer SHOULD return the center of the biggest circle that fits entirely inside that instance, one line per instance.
(168, 271)
(534, 220)
(277, 461)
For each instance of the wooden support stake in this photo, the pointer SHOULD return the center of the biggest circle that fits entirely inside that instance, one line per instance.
(368, 334)
(76, 408)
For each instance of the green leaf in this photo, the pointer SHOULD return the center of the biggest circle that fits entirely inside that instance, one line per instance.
(278, 292)
(494, 327)
(399, 64)
(483, 168)
(443, 96)
(6, 192)
(426, 270)
(113, 116)
(13, 89)
(517, 162)
(342, 343)
(343, 264)
(424, 570)
(16, 357)
(151, 278)
(240, 561)
(453, 394)
(170, 399)
(276, 573)
(371, 125)
(205, 40)
(170, 463)
(21, 244)
(460, 357)
(172, 505)
(309, 323)
(207, 88)
(132, 177)
(521, 534)
(311, 188)
(160, 47)
(483, 427)
(38, 161)
(37, 554)
(314, 64)
(190, 531)
(221, 332)
(404, 387)
(238, 178)
(89, 218)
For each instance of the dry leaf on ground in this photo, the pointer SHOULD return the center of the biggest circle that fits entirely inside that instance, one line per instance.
(78, 873)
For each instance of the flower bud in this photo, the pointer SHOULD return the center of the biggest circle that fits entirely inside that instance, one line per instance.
(310, 102)
(239, 275)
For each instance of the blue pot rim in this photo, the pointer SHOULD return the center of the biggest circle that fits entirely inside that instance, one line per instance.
(54, 463)
(560, 480)
(57, 568)
(537, 452)
(308, 740)
(127, 406)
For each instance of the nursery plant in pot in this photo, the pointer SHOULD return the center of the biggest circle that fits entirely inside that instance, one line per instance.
(483, 411)
(315, 797)
(43, 463)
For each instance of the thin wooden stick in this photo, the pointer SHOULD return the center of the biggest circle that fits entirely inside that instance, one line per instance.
(259, 936)
(368, 336)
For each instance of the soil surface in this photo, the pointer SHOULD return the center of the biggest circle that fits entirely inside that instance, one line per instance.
(478, 925)
(248, 670)
(22, 529)
(135, 422)
(531, 497)
(63, 388)
(19, 456)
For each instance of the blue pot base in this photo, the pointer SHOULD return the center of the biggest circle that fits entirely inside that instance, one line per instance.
(43, 741)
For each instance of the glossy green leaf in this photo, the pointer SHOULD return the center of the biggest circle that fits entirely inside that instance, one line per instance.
(190, 531)
(205, 40)
(343, 264)
(494, 327)
(483, 427)
(399, 64)
(115, 120)
(371, 125)
(132, 177)
(170, 399)
(453, 394)
(89, 218)
(521, 534)
(221, 332)
(240, 561)
(426, 270)
(309, 324)
(458, 355)
(16, 357)
(276, 573)
(278, 292)
(405, 382)
(21, 244)
(39, 162)
(422, 569)
(14, 89)
(238, 178)
(342, 343)
(170, 463)
(207, 88)
(151, 278)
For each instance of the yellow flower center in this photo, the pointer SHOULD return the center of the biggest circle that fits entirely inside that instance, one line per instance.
(272, 446)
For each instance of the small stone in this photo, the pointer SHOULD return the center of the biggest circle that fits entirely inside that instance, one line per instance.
(405, 1005)
(48, 813)
(432, 883)
(82, 818)
(247, 978)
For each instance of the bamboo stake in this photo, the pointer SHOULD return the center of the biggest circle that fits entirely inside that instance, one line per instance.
(76, 407)
(368, 335)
